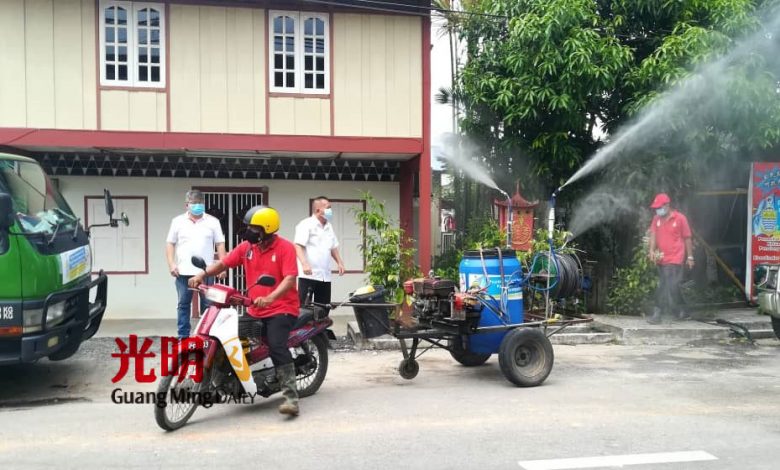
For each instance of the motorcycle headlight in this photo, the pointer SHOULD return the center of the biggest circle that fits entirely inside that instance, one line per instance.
(218, 296)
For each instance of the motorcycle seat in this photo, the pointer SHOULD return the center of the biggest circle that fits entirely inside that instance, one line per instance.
(304, 316)
(249, 326)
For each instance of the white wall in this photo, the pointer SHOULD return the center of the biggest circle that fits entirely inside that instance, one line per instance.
(154, 295)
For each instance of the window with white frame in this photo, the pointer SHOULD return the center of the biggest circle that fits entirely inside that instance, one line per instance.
(132, 44)
(299, 55)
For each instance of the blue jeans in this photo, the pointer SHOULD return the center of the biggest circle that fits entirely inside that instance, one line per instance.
(185, 302)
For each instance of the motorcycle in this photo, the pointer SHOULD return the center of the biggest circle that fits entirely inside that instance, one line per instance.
(235, 357)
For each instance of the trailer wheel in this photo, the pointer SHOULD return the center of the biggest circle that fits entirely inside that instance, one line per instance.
(408, 368)
(526, 357)
(776, 326)
(465, 357)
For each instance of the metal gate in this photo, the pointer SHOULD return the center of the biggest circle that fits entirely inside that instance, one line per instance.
(229, 208)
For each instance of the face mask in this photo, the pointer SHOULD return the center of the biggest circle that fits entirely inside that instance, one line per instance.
(328, 214)
(251, 236)
(662, 211)
(197, 209)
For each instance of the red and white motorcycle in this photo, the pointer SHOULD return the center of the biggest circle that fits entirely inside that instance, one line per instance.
(235, 356)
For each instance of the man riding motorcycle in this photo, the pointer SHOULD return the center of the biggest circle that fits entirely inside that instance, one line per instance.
(277, 306)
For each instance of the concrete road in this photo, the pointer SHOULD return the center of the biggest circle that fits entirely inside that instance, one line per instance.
(719, 402)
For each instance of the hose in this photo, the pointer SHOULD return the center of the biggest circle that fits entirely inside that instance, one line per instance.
(568, 274)
(567, 269)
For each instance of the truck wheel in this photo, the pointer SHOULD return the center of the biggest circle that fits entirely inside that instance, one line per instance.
(465, 357)
(776, 326)
(526, 357)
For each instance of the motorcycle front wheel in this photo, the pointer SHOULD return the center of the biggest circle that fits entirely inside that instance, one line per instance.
(177, 400)
(311, 374)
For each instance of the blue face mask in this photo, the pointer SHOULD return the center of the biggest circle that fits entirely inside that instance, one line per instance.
(662, 211)
(197, 209)
(328, 214)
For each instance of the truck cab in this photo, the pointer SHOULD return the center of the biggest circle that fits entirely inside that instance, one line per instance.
(50, 301)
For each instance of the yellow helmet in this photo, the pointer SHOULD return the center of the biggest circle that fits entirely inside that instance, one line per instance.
(263, 216)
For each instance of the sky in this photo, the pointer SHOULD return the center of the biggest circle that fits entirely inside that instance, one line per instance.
(441, 115)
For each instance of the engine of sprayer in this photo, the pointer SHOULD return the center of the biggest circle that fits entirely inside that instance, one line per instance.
(439, 300)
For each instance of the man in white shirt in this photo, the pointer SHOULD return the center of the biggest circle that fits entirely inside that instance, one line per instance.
(193, 233)
(315, 244)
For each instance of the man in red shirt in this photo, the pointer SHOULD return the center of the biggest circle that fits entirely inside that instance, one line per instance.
(670, 240)
(277, 306)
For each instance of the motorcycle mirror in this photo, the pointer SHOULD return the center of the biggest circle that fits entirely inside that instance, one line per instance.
(109, 202)
(198, 262)
(266, 280)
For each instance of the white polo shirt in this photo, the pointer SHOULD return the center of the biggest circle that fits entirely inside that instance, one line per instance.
(317, 240)
(194, 237)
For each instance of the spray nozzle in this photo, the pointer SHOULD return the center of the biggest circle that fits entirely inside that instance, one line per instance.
(569, 237)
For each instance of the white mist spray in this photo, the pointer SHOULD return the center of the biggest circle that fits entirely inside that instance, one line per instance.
(698, 95)
(464, 156)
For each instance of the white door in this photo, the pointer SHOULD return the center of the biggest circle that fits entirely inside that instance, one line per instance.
(348, 233)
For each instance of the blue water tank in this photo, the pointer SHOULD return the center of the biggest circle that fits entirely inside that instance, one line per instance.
(473, 267)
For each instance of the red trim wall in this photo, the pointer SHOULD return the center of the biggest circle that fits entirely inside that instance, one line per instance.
(424, 225)
(146, 229)
(59, 138)
(406, 207)
(420, 166)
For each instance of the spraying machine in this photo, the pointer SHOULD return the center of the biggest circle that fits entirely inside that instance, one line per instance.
(484, 314)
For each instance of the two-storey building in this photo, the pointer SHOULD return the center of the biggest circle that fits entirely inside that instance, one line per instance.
(252, 101)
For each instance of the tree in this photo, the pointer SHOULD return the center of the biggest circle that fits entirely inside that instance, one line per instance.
(538, 84)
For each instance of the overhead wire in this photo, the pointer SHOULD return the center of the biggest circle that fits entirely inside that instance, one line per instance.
(403, 8)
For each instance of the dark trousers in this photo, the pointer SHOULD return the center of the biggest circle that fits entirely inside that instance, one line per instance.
(320, 289)
(668, 296)
(277, 331)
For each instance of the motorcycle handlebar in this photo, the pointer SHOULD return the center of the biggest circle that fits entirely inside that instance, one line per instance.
(235, 299)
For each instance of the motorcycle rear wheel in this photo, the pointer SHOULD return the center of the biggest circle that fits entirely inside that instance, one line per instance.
(317, 348)
(173, 415)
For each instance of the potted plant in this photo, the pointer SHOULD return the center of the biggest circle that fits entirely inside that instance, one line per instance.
(388, 260)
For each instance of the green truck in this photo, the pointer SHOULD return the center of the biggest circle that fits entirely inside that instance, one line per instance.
(50, 301)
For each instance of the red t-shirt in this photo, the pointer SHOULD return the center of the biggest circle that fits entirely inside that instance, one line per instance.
(670, 234)
(278, 260)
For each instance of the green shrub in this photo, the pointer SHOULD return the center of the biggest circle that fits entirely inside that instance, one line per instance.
(388, 262)
(634, 285)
